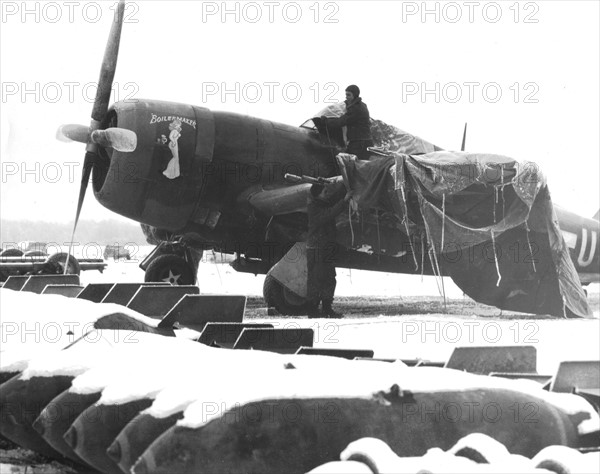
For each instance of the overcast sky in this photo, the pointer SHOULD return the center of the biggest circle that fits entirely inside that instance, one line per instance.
(525, 76)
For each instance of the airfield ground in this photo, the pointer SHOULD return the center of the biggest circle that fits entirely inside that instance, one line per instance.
(397, 316)
(404, 316)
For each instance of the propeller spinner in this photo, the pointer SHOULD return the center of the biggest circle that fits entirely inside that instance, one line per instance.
(117, 138)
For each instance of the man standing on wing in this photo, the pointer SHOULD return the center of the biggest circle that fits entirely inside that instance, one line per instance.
(321, 247)
(358, 123)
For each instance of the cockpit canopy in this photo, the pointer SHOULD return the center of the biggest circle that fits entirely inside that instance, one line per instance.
(385, 137)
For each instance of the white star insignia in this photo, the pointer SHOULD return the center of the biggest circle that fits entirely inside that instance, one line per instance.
(173, 279)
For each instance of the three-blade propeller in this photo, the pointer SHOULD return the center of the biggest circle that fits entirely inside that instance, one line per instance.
(117, 138)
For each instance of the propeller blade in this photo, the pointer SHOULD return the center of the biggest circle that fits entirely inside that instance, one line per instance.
(119, 139)
(88, 164)
(105, 81)
(109, 66)
(462, 147)
(73, 133)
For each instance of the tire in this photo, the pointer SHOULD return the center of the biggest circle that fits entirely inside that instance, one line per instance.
(35, 253)
(286, 303)
(172, 269)
(58, 260)
(11, 253)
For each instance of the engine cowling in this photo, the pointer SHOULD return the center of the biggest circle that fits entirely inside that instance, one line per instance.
(159, 183)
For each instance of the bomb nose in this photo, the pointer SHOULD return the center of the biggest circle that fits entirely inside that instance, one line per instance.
(114, 452)
(8, 419)
(140, 467)
(39, 425)
(71, 437)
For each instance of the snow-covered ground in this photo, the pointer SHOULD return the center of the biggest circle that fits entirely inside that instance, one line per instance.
(405, 334)
(430, 336)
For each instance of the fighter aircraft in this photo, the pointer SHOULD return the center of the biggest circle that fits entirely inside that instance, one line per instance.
(198, 179)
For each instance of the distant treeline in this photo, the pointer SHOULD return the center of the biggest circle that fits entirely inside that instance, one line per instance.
(99, 232)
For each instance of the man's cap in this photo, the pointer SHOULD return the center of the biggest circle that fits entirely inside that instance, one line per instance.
(354, 90)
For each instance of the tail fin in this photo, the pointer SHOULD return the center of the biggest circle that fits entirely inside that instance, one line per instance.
(597, 215)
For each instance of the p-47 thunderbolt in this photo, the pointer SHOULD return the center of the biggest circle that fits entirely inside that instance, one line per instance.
(198, 179)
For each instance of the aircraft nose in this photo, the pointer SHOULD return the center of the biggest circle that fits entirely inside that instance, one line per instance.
(160, 182)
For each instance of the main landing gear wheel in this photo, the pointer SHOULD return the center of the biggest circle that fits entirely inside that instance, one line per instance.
(11, 253)
(171, 269)
(56, 264)
(8, 253)
(283, 300)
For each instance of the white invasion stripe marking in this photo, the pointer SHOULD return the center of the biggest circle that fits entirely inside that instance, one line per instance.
(582, 260)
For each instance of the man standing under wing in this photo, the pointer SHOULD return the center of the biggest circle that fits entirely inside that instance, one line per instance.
(321, 247)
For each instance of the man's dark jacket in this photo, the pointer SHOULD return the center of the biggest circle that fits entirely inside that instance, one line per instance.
(356, 118)
(321, 222)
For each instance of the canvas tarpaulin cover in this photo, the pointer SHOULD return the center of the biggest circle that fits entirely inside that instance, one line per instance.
(487, 221)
